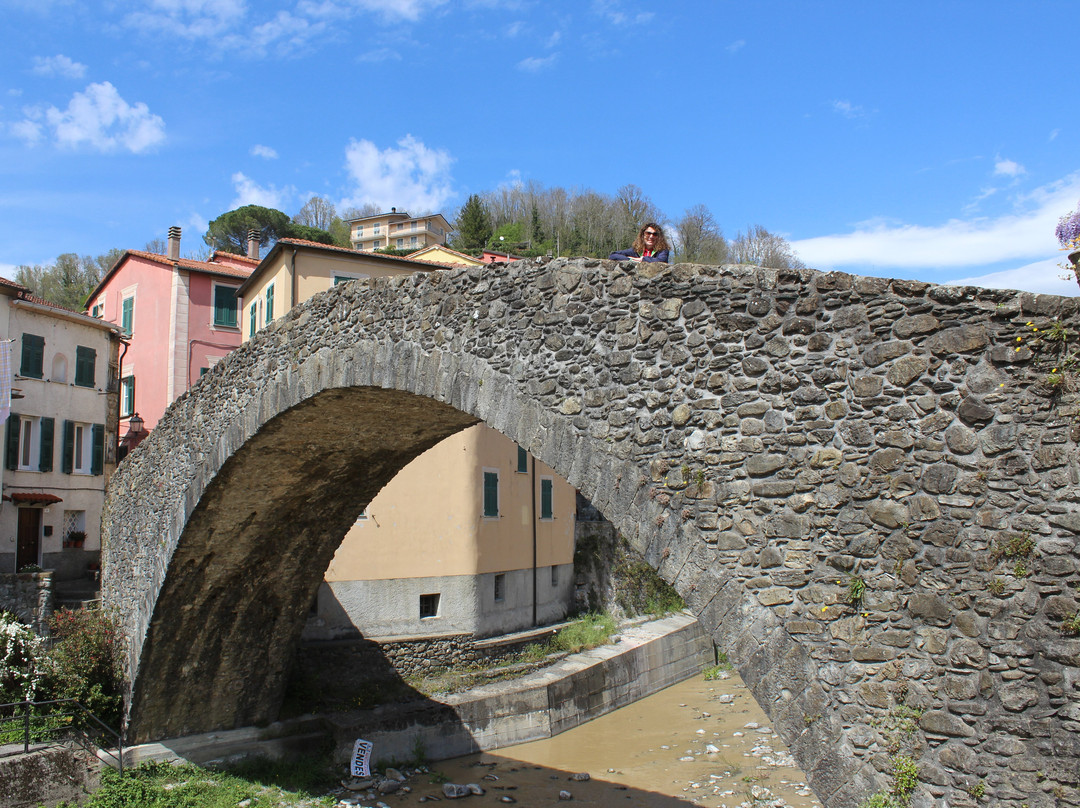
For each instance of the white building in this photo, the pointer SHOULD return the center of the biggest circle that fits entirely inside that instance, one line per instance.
(60, 436)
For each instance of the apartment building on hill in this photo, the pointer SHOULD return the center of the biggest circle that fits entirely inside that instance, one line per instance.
(399, 230)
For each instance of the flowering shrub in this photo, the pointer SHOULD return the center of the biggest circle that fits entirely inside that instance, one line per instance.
(1068, 230)
(84, 662)
(20, 653)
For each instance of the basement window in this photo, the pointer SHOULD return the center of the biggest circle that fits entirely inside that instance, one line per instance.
(429, 606)
(500, 587)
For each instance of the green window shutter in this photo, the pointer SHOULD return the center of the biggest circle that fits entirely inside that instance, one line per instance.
(270, 304)
(127, 316)
(253, 322)
(127, 396)
(225, 306)
(45, 456)
(14, 424)
(67, 459)
(97, 458)
(491, 493)
(523, 460)
(547, 510)
(85, 366)
(33, 356)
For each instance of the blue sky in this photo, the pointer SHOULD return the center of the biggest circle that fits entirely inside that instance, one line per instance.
(930, 140)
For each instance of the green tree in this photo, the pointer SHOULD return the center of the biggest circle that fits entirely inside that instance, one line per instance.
(229, 231)
(473, 225)
(70, 280)
(308, 233)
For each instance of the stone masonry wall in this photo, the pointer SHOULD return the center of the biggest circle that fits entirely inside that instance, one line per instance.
(28, 596)
(865, 489)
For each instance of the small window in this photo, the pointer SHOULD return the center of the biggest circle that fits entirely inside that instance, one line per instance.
(362, 516)
(81, 449)
(253, 321)
(401, 242)
(547, 508)
(412, 241)
(28, 457)
(429, 606)
(225, 306)
(98, 310)
(376, 244)
(127, 396)
(375, 231)
(359, 231)
(491, 494)
(554, 577)
(270, 304)
(523, 461)
(85, 361)
(500, 587)
(203, 372)
(33, 356)
(127, 315)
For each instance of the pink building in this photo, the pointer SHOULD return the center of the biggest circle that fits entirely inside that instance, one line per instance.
(179, 317)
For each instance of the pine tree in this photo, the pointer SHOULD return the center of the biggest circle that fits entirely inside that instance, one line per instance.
(473, 225)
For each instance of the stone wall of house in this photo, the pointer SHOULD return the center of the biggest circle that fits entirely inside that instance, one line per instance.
(866, 489)
(28, 596)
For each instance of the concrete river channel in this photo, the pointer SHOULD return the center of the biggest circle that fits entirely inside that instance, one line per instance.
(698, 742)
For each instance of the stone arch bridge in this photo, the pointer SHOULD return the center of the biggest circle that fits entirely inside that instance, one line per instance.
(865, 489)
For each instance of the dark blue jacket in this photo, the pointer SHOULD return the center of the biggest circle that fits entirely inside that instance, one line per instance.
(623, 255)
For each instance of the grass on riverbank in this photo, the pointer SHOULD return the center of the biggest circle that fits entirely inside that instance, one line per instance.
(300, 783)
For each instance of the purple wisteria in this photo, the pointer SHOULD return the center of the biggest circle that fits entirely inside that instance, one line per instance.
(1068, 230)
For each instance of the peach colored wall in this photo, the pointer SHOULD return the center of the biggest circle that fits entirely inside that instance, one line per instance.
(428, 521)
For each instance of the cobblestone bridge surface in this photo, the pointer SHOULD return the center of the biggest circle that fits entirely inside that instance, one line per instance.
(866, 489)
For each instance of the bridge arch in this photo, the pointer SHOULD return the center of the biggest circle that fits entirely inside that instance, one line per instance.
(763, 438)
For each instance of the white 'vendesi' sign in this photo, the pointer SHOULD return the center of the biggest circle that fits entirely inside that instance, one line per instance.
(361, 758)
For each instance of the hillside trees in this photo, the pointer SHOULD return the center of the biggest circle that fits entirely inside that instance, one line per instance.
(764, 249)
(70, 280)
(699, 237)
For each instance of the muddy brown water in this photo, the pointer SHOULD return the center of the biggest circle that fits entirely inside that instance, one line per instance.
(700, 742)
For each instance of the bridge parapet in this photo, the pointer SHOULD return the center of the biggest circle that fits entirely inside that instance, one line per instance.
(867, 490)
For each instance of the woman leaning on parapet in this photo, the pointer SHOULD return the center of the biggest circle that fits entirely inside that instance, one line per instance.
(650, 245)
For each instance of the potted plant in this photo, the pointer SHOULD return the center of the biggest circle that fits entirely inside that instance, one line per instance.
(1068, 236)
(75, 538)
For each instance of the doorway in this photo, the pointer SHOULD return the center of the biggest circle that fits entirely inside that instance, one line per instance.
(28, 549)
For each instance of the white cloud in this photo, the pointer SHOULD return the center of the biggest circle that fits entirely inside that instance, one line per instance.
(848, 110)
(267, 153)
(27, 130)
(736, 46)
(388, 11)
(534, 64)
(553, 40)
(1007, 168)
(58, 65)
(379, 55)
(248, 192)
(97, 117)
(190, 19)
(515, 28)
(409, 177)
(1054, 134)
(1041, 277)
(1025, 235)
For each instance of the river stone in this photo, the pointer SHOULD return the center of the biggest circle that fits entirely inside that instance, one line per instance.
(905, 370)
(940, 722)
(962, 339)
(453, 791)
(940, 478)
(973, 411)
(885, 351)
(961, 439)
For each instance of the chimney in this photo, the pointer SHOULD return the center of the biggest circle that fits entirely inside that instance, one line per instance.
(393, 210)
(174, 243)
(253, 244)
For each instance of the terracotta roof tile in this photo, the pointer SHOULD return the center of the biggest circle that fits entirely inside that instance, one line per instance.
(199, 266)
(305, 243)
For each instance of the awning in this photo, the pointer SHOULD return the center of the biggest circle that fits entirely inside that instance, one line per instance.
(32, 498)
